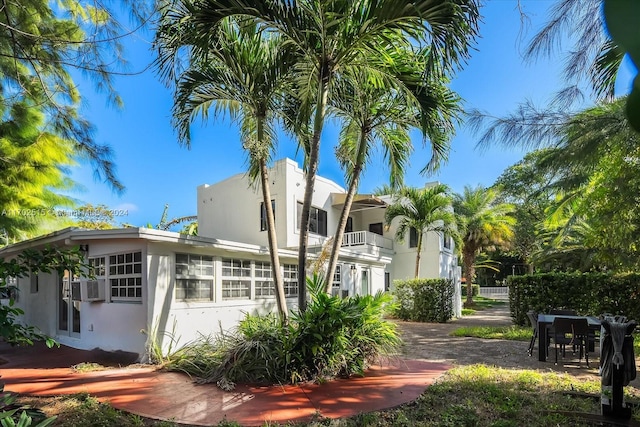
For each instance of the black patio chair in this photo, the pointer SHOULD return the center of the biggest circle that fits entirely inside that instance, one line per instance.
(533, 320)
(574, 332)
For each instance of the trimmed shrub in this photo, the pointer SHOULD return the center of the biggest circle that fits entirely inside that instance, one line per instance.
(475, 290)
(424, 300)
(587, 293)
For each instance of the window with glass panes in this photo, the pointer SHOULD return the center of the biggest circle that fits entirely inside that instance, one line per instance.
(413, 237)
(236, 279)
(263, 214)
(290, 279)
(98, 265)
(125, 276)
(447, 242)
(194, 277)
(264, 285)
(317, 220)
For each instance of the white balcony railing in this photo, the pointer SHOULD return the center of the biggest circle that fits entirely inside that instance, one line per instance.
(366, 238)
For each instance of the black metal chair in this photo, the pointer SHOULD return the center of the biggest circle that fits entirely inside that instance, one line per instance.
(533, 320)
(574, 332)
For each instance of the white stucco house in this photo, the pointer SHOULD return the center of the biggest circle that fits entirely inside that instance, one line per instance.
(184, 286)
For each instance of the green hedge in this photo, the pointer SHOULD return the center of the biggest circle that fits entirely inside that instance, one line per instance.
(587, 293)
(475, 290)
(424, 300)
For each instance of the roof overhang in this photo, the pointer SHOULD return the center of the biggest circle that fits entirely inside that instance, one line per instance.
(360, 201)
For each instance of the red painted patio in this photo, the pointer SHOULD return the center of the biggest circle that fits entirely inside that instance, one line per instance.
(172, 396)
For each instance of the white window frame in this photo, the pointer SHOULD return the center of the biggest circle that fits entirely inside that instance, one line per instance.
(264, 285)
(200, 271)
(236, 277)
(290, 280)
(125, 278)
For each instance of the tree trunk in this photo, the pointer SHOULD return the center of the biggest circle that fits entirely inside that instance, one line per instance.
(469, 259)
(312, 169)
(530, 268)
(273, 242)
(418, 250)
(346, 210)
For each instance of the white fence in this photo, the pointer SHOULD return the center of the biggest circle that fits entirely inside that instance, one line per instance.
(495, 292)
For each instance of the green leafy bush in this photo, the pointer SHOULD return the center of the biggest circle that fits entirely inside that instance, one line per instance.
(332, 337)
(475, 290)
(587, 293)
(14, 414)
(424, 300)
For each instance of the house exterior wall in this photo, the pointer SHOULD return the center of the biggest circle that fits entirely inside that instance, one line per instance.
(37, 306)
(179, 322)
(107, 325)
(230, 209)
(229, 225)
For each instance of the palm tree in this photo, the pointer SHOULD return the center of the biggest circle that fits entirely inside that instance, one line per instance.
(374, 114)
(332, 38)
(482, 223)
(243, 73)
(425, 210)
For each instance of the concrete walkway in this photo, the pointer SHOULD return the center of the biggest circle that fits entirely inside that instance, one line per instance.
(155, 394)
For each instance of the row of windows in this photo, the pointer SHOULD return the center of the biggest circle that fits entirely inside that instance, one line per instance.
(413, 239)
(195, 278)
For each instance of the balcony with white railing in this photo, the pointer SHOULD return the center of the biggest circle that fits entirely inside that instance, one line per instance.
(366, 239)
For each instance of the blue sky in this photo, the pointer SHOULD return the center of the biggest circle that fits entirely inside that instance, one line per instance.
(156, 170)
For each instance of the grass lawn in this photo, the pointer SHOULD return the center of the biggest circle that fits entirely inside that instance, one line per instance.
(516, 333)
(480, 303)
(477, 395)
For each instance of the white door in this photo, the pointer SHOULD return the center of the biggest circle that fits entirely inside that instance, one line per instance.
(68, 305)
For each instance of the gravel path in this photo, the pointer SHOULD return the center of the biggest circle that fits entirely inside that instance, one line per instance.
(431, 341)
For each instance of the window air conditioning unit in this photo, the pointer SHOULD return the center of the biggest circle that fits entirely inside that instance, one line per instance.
(93, 290)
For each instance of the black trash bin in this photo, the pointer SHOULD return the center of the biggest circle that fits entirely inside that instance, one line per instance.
(617, 365)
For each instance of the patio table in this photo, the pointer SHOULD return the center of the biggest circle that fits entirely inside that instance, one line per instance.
(546, 320)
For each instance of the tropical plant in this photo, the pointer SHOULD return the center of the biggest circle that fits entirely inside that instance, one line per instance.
(623, 20)
(98, 217)
(482, 223)
(582, 190)
(14, 414)
(243, 72)
(42, 44)
(333, 337)
(33, 169)
(528, 185)
(374, 114)
(330, 39)
(423, 210)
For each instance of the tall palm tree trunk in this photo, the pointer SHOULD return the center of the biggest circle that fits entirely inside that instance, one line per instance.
(312, 168)
(273, 242)
(469, 259)
(418, 250)
(346, 210)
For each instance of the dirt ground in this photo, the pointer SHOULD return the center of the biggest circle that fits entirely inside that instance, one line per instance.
(431, 341)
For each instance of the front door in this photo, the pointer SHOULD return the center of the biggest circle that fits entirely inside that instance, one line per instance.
(69, 305)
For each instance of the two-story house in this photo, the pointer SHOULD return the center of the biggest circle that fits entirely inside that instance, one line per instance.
(177, 287)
